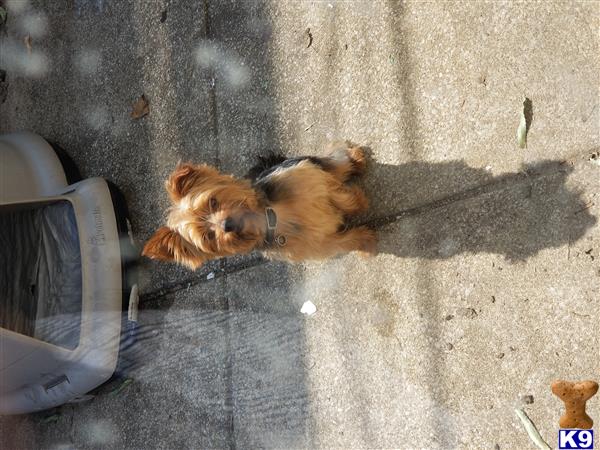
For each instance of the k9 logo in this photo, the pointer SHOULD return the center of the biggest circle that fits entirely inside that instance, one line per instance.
(575, 439)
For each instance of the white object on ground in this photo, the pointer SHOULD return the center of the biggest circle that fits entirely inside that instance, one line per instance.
(308, 308)
(210, 276)
(134, 300)
(532, 431)
(522, 130)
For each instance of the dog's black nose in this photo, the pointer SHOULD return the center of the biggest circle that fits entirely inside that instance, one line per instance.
(228, 225)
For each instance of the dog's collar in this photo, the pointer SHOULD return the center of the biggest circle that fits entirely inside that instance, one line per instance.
(271, 237)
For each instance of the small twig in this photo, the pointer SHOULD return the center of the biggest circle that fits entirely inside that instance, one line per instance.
(122, 386)
(586, 207)
(27, 42)
(585, 119)
(309, 36)
(532, 431)
(51, 419)
(309, 127)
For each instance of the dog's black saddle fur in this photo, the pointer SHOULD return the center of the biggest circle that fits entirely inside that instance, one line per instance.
(268, 164)
(260, 173)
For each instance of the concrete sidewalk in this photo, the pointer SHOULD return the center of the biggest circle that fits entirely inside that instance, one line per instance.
(487, 283)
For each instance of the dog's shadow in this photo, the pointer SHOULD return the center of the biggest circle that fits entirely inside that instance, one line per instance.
(438, 210)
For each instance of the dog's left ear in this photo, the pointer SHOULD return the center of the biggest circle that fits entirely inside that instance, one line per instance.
(187, 176)
(168, 245)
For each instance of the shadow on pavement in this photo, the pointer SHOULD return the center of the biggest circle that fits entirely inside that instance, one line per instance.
(516, 215)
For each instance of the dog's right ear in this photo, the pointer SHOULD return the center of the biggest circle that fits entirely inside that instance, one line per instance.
(187, 176)
(168, 245)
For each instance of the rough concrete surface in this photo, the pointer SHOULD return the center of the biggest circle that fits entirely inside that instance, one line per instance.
(487, 283)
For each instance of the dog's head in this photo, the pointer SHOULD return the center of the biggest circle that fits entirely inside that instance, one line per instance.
(212, 215)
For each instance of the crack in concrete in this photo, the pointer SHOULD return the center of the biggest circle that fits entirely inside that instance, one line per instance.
(223, 268)
(212, 91)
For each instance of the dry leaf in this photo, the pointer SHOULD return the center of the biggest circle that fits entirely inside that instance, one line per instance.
(525, 123)
(140, 108)
(27, 42)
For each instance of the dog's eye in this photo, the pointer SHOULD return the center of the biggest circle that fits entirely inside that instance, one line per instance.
(210, 235)
(214, 204)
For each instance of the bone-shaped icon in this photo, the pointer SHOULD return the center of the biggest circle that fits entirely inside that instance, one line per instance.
(574, 395)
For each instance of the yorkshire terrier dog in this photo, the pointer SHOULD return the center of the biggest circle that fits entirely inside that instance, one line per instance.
(294, 210)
